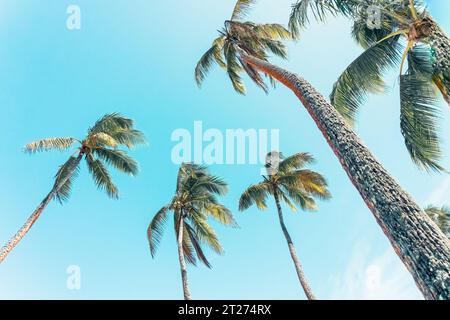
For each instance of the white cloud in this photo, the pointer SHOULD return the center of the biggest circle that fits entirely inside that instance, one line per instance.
(382, 277)
(440, 195)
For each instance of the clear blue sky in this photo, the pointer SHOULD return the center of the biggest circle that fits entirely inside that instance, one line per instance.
(137, 58)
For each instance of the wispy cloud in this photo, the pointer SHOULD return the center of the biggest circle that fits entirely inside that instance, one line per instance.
(440, 195)
(382, 277)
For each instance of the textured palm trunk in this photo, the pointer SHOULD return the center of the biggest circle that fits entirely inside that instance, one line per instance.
(184, 279)
(14, 241)
(419, 243)
(298, 266)
(440, 43)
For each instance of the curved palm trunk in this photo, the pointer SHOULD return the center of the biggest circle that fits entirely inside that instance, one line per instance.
(298, 266)
(418, 242)
(187, 294)
(14, 241)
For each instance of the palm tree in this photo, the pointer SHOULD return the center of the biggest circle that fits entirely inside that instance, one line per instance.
(287, 181)
(441, 216)
(427, 53)
(422, 247)
(194, 202)
(99, 148)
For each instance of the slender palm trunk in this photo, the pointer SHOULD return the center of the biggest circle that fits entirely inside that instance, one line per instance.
(14, 241)
(184, 279)
(298, 266)
(419, 243)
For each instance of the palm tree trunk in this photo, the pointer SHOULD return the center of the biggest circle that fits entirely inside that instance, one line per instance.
(184, 279)
(440, 43)
(14, 241)
(298, 266)
(419, 243)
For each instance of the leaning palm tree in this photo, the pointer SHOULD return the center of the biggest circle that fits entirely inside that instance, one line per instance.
(288, 181)
(99, 148)
(426, 51)
(441, 216)
(422, 247)
(194, 202)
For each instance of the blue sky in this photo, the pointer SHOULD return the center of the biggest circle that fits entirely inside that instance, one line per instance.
(138, 59)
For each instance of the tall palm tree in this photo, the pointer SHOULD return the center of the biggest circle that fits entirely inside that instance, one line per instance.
(422, 247)
(287, 181)
(99, 148)
(194, 202)
(427, 51)
(441, 216)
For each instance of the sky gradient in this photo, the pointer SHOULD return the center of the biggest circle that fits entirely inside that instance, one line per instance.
(138, 59)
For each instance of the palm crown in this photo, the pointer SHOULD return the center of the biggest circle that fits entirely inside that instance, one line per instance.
(293, 184)
(238, 37)
(99, 148)
(407, 20)
(194, 202)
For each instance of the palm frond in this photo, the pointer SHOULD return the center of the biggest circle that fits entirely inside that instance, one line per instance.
(296, 161)
(213, 55)
(362, 76)
(119, 160)
(110, 123)
(320, 9)
(155, 229)
(64, 178)
(49, 144)
(418, 121)
(128, 137)
(272, 31)
(196, 245)
(101, 176)
(220, 213)
(301, 198)
(233, 68)
(255, 194)
(441, 216)
(241, 9)
(205, 233)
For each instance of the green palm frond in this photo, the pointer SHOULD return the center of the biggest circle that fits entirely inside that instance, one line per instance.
(285, 198)
(205, 233)
(241, 9)
(220, 213)
(301, 198)
(213, 55)
(418, 121)
(233, 68)
(101, 176)
(128, 137)
(196, 245)
(69, 169)
(255, 194)
(364, 75)
(272, 31)
(49, 144)
(367, 37)
(110, 123)
(420, 61)
(441, 216)
(155, 229)
(119, 160)
(320, 9)
(296, 161)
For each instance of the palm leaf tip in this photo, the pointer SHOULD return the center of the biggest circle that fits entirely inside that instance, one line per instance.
(241, 9)
(102, 177)
(155, 229)
(49, 144)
